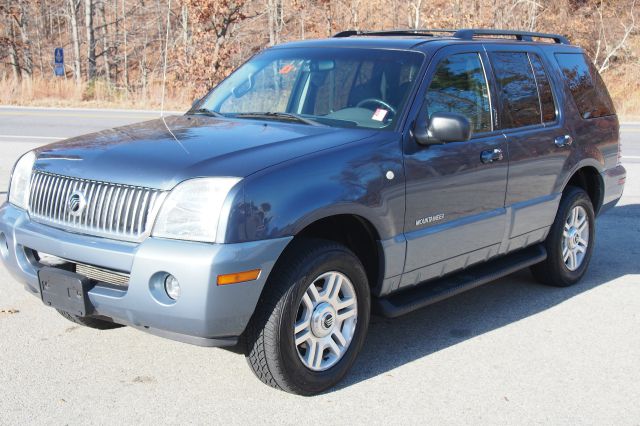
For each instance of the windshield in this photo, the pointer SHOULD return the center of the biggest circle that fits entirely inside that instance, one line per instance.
(335, 87)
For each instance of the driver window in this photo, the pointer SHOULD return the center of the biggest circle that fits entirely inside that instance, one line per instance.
(459, 85)
(333, 87)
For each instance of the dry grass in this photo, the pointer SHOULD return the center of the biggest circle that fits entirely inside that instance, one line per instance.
(61, 92)
(624, 86)
(623, 83)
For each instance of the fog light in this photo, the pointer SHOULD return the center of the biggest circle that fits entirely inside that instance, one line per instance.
(172, 287)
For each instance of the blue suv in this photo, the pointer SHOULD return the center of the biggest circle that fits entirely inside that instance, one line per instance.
(321, 181)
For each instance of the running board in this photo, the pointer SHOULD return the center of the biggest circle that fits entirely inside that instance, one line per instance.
(426, 294)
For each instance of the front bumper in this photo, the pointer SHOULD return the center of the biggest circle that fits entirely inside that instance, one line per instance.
(205, 314)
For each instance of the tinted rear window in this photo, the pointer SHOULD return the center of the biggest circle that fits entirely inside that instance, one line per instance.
(544, 90)
(586, 85)
(518, 89)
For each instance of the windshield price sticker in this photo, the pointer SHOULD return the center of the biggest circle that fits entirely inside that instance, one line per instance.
(287, 69)
(380, 114)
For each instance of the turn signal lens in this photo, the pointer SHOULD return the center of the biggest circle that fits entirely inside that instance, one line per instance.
(238, 277)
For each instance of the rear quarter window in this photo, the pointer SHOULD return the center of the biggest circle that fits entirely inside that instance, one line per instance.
(586, 85)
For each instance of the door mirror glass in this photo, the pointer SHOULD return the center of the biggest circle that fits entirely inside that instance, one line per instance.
(443, 127)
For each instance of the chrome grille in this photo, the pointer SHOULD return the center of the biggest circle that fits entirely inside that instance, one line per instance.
(111, 210)
(119, 279)
(108, 276)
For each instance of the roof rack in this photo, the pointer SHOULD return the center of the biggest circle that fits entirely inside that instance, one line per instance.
(470, 34)
(464, 34)
(419, 31)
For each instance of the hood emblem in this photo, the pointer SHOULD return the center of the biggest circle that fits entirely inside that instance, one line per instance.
(76, 203)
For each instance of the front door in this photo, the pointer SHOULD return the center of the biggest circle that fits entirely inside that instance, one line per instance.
(455, 192)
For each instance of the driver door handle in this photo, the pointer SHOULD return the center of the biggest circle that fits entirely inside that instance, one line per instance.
(491, 155)
(562, 141)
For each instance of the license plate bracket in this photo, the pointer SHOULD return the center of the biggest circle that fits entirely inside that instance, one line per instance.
(65, 290)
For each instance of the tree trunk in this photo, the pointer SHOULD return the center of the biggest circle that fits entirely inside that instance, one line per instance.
(74, 5)
(23, 26)
(124, 49)
(106, 57)
(13, 52)
(115, 69)
(274, 14)
(91, 40)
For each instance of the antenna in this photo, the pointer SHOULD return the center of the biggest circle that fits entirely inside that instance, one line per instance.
(164, 78)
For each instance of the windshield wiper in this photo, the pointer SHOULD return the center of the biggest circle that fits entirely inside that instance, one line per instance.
(278, 116)
(204, 111)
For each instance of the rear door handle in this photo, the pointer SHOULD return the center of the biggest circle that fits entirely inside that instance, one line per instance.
(562, 141)
(491, 155)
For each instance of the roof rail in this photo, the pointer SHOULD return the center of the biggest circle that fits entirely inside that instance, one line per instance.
(469, 34)
(464, 34)
(419, 31)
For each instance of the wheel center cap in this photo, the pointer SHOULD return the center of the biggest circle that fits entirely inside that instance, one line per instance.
(323, 320)
(573, 238)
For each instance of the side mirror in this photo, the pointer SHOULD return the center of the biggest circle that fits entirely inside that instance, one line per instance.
(442, 127)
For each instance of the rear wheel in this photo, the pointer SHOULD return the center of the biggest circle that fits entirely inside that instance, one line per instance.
(312, 319)
(89, 321)
(570, 241)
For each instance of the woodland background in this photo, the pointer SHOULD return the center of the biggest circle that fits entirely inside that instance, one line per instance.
(115, 49)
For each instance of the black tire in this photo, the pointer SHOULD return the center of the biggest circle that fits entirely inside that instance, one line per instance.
(89, 321)
(553, 271)
(271, 351)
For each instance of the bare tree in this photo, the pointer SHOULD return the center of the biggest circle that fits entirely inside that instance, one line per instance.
(13, 51)
(74, 6)
(21, 18)
(91, 39)
(275, 12)
(414, 18)
(104, 30)
(609, 49)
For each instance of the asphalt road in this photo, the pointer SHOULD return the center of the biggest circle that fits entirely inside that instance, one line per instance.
(510, 352)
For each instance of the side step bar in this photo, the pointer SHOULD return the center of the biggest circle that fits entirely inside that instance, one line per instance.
(426, 294)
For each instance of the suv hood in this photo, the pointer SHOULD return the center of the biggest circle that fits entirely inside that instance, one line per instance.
(156, 155)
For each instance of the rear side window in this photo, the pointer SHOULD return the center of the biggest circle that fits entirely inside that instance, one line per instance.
(586, 85)
(518, 89)
(547, 104)
(459, 85)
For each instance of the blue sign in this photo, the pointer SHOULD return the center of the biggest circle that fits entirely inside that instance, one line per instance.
(58, 58)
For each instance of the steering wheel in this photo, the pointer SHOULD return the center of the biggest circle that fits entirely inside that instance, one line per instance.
(377, 101)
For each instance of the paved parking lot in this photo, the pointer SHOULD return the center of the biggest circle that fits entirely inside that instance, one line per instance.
(511, 352)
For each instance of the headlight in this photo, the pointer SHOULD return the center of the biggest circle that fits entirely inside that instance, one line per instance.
(193, 209)
(21, 181)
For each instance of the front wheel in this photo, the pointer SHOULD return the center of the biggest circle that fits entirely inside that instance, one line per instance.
(311, 321)
(570, 241)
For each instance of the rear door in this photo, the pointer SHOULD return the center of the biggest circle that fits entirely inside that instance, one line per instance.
(455, 212)
(538, 143)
